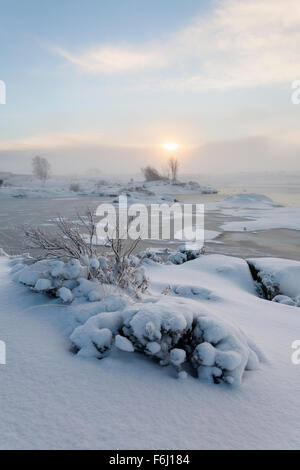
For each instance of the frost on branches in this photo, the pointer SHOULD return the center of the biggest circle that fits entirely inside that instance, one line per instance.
(85, 278)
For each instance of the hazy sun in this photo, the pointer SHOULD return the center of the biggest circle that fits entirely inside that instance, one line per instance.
(170, 146)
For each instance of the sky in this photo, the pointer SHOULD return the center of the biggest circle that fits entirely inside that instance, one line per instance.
(98, 84)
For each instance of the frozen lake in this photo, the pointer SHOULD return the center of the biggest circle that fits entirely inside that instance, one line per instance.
(15, 212)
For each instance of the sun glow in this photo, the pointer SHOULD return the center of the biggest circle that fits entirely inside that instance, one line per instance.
(170, 146)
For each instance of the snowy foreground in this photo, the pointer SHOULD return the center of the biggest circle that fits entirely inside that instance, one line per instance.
(52, 398)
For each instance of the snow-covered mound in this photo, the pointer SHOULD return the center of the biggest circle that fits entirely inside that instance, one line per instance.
(279, 278)
(251, 200)
(243, 201)
(220, 275)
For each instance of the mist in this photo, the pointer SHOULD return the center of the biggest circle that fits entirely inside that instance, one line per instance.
(251, 154)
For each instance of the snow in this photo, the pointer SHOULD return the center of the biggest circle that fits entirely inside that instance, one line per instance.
(206, 354)
(65, 294)
(28, 276)
(94, 264)
(43, 285)
(249, 200)
(264, 219)
(153, 347)
(259, 212)
(177, 356)
(92, 342)
(123, 344)
(57, 400)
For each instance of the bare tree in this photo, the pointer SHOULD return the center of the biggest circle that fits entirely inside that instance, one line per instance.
(173, 168)
(40, 168)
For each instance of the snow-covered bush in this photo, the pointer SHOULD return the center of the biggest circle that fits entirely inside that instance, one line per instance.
(174, 333)
(223, 352)
(87, 278)
(177, 257)
(190, 253)
(151, 254)
(184, 254)
(71, 262)
(278, 279)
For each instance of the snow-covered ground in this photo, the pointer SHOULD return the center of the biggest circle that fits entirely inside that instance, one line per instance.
(136, 191)
(52, 398)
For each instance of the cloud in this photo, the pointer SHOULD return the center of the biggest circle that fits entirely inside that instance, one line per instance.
(237, 44)
(110, 59)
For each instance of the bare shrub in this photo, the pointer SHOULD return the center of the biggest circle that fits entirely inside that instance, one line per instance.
(40, 168)
(70, 239)
(151, 174)
(116, 265)
(75, 187)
